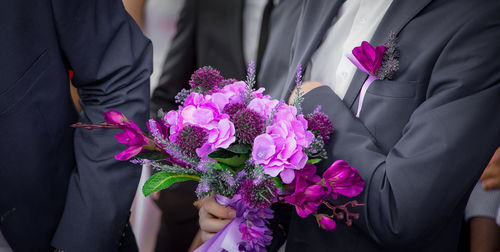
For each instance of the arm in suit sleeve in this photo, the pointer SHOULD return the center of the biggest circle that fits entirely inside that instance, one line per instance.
(412, 190)
(112, 62)
(180, 62)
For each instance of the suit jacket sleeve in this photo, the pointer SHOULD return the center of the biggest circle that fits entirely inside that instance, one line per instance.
(412, 189)
(112, 62)
(180, 62)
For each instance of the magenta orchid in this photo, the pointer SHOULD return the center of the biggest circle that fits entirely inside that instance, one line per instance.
(307, 200)
(132, 136)
(341, 178)
(310, 190)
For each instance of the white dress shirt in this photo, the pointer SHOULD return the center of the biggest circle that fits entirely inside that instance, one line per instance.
(356, 22)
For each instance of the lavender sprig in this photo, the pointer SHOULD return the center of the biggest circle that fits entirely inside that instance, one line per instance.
(177, 154)
(270, 119)
(175, 169)
(299, 94)
(251, 75)
(390, 61)
(317, 148)
(182, 95)
(250, 81)
(221, 182)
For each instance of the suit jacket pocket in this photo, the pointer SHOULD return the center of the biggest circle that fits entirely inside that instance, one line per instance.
(394, 89)
(387, 108)
(14, 94)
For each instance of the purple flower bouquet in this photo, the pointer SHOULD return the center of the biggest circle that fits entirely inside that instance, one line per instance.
(247, 149)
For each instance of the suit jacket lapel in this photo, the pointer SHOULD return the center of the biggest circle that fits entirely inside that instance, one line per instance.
(314, 21)
(397, 16)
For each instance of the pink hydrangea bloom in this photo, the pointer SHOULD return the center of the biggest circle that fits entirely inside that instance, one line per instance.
(204, 111)
(281, 149)
(236, 92)
(263, 106)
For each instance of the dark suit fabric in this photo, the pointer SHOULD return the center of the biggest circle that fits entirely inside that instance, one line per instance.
(423, 137)
(62, 187)
(208, 34)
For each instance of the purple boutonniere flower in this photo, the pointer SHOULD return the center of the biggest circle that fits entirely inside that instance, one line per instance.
(379, 63)
(367, 58)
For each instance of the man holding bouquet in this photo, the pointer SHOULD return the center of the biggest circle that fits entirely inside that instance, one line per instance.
(414, 110)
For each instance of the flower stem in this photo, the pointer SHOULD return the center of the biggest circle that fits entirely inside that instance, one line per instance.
(103, 125)
(344, 212)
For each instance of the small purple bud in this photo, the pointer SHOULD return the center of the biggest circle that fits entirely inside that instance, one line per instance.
(326, 223)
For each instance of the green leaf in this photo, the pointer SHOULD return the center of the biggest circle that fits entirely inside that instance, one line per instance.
(314, 161)
(237, 161)
(229, 158)
(239, 148)
(278, 182)
(221, 153)
(152, 155)
(221, 166)
(163, 180)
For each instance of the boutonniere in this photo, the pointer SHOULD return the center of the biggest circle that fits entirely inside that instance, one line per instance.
(380, 63)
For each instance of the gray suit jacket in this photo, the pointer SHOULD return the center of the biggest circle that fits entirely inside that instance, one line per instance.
(423, 138)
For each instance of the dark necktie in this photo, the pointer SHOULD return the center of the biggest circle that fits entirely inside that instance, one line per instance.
(264, 33)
